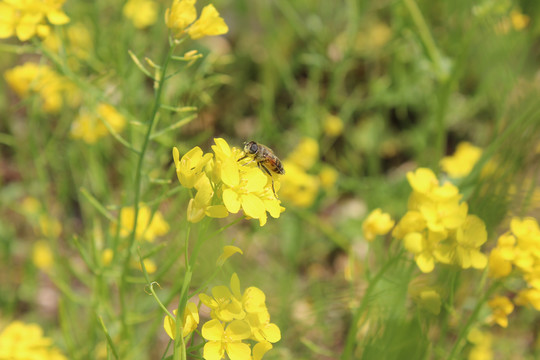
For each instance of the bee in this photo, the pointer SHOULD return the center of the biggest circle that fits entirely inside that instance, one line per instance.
(265, 158)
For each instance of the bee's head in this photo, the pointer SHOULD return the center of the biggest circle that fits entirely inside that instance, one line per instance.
(251, 147)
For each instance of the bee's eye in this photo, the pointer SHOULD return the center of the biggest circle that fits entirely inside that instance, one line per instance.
(253, 148)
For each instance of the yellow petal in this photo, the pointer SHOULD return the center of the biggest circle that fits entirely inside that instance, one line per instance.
(228, 251)
(57, 17)
(237, 330)
(213, 350)
(238, 351)
(272, 333)
(260, 349)
(217, 211)
(212, 330)
(231, 201)
(253, 206)
(208, 24)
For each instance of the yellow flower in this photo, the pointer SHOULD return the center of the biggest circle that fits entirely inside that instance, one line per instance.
(190, 321)
(29, 79)
(190, 168)
(462, 162)
(224, 186)
(42, 256)
(306, 153)
(332, 125)
(299, 187)
(149, 265)
(528, 297)
(482, 343)
(142, 13)
(464, 247)
(228, 340)
(26, 18)
(20, 341)
(208, 24)
(228, 251)
(182, 14)
(328, 177)
(49, 227)
(223, 304)
(148, 227)
(107, 256)
(501, 307)
(90, 128)
(519, 20)
(502, 256)
(377, 223)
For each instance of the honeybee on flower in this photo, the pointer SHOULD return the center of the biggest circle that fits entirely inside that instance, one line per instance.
(265, 158)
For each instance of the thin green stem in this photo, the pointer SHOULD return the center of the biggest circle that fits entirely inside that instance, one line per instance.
(137, 188)
(470, 321)
(348, 352)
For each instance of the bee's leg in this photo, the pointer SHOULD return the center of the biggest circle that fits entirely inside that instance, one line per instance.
(242, 158)
(269, 174)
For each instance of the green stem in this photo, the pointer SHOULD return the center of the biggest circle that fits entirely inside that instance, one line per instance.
(137, 188)
(179, 352)
(348, 352)
(465, 330)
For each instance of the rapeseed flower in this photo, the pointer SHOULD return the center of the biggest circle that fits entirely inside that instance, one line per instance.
(300, 187)
(247, 318)
(438, 228)
(148, 227)
(377, 223)
(501, 307)
(190, 321)
(27, 18)
(224, 185)
(228, 251)
(90, 127)
(462, 162)
(53, 89)
(180, 18)
(332, 125)
(142, 13)
(42, 255)
(482, 345)
(20, 341)
(228, 340)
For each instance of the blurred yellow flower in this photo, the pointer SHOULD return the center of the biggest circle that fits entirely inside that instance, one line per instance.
(79, 43)
(462, 162)
(501, 307)
(30, 205)
(148, 227)
(27, 18)
(328, 177)
(502, 256)
(332, 125)
(49, 227)
(482, 344)
(190, 321)
(142, 13)
(149, 265)
(299, 187)
(228, 251)
(528, 297)
(377, 223)
(519, 20)
(306, 153)
(182, 14)
(20, 341)
(107, 256)
(30, 78)
(90, 128)
(42, 256)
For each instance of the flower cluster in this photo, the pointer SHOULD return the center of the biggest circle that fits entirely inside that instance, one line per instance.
(149, 226)
(30, 78)
(237, 317)
(224, 185)
(90, 126)
(300, 187)
(437, 226)
(20, 341)
(519, 249)
(27, 18)
(181, 17)
(142, 13)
